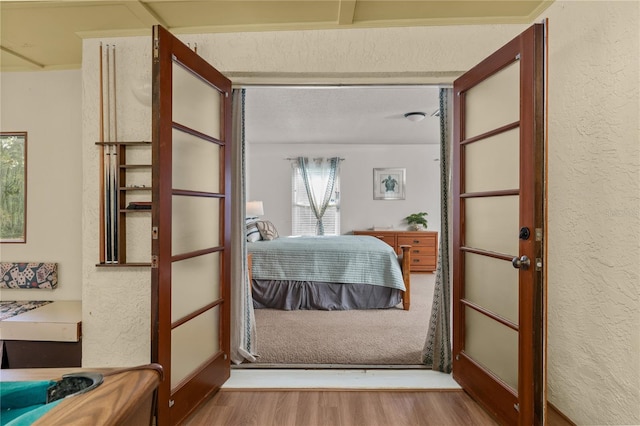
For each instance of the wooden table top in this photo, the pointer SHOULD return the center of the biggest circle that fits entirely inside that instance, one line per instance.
(125, 394)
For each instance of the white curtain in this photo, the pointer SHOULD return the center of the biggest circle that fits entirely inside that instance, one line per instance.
(319, 176)
(437, 348)
(243, 322)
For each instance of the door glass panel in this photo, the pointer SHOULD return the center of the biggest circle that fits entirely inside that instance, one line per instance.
(203, 158)
(493, 345)
(491, 223)
(195, 223)
(492, 284)
(494, 163)
(195, 283)
(494, 102)
(196, 104)
(193, 343)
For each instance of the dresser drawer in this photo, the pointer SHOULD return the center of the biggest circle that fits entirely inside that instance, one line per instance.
(389, 239)
(423, 251)
(423, 263)
(386, 236)
(427, 240)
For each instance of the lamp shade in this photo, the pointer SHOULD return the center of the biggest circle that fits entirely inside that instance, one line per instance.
(254, 209)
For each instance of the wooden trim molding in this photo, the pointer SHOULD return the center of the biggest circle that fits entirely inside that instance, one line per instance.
(556, 417)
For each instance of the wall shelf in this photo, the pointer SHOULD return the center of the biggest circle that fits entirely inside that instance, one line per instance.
(121, 182)
(125, 143)
(123, 265)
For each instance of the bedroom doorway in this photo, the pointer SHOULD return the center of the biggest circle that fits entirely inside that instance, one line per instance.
(365, 125)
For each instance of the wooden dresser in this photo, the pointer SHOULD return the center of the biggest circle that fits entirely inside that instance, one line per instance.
(424, 246)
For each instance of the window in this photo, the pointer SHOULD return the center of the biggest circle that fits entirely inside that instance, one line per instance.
(304, 221)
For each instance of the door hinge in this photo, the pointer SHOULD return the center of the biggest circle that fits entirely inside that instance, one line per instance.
(538, 234)
(154, 261)
(538, 264)
(516, 407)
(154, 233)
(156, 48)
(171, 402)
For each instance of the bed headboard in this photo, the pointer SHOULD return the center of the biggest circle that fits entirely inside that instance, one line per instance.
(29, 275)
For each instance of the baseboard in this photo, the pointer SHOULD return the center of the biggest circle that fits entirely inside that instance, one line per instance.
(556, 417)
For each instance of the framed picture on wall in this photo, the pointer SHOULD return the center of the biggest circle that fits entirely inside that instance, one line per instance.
(389, 183)
(13, 181)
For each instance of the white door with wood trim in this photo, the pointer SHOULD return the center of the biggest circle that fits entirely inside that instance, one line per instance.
(497, 243)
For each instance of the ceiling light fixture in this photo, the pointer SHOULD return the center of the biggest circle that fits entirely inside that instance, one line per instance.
(415, 116)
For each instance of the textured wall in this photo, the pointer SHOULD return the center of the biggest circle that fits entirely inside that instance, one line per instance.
(47, 106)
(433, 54)
(594, 212)
(116, 301)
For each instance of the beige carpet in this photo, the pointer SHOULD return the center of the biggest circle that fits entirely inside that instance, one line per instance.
(369, 337)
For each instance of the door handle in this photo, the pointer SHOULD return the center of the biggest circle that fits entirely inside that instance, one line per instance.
(522, 262)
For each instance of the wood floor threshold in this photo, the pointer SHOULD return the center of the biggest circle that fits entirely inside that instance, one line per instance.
(338, 390)
(330, 367)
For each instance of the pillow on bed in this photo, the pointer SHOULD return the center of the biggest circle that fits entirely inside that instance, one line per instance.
(267, 230)
(253, 234)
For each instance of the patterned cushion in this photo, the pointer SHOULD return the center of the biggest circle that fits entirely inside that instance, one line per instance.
(29, 275)
(267, 230)
(252, 230)
(13, 308)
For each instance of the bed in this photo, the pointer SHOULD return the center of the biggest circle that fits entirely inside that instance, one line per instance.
(328, 273)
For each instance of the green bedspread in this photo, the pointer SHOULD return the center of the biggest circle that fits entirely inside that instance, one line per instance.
(345, 259)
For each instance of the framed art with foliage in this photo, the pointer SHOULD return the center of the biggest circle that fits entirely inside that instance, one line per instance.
(13, 185)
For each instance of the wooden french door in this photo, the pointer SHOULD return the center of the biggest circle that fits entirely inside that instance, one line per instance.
(190, 226)
(498, 217)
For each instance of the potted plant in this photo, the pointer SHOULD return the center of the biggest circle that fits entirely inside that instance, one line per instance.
(417, 221)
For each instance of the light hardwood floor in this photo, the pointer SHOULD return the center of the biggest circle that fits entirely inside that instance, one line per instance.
(340, 408)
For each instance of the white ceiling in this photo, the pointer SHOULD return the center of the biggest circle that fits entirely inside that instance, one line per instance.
(44, 35)
(341, 115)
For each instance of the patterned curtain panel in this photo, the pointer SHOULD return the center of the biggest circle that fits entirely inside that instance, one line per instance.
(319, 177)
(437, 348)
(243, 322)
